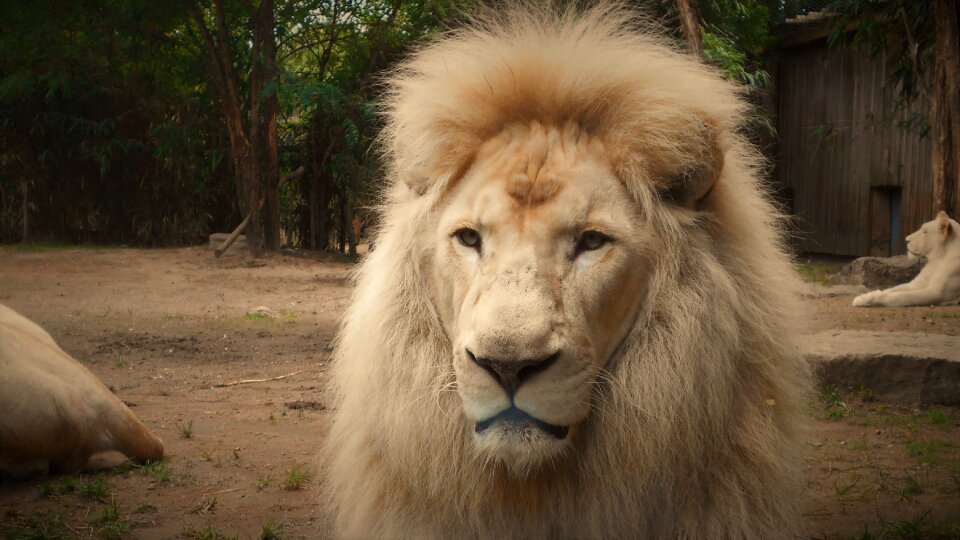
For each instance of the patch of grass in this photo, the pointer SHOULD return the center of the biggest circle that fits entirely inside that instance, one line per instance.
(817, 272)
(941, 314)
(271, 531)
(836, 408)
(846, 491)
(289, 314)
(910, 489)
(209, 533)
(110, 522)
(882, 485)
(889, 420)
(255, 316)
(937, 417)
(928, 452)
(47, 489)
(264, 481)
(861, 444)
(296, 478)
(913, 529)
(124, 467)
(954, 485)
(95, 489)
(186, 429)
(145, 508)
(156, 470)
(120, 362)
(205, 507)
(39, 526)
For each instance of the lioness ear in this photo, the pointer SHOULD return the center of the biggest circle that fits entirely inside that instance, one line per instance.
(946, 229)
(691, 184)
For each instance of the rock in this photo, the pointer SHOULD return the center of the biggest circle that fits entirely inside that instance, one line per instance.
(899, 367)
(880, 272)
(238, 245)
(265, 311)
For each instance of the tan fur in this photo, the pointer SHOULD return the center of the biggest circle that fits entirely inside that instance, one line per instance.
(57, 415)
(677, 370)
(938, 241)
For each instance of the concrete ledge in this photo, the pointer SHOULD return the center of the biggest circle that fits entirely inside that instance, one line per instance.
(900, 367)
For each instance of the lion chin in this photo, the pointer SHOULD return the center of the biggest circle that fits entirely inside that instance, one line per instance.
(519, 441)
(579, 320)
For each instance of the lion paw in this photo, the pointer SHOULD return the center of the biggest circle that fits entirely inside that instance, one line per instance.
(869, 299)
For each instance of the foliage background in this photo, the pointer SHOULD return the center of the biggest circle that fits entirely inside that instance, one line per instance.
(111, 126)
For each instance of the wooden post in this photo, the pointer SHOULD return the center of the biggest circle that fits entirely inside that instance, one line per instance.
(232, 238)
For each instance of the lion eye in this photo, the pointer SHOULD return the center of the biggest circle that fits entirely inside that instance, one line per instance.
(469, 238)
(590, 241)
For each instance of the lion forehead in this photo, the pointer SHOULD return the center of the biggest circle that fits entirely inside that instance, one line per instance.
(533, 164)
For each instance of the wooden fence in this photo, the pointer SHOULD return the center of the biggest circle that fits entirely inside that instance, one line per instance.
(852, 166)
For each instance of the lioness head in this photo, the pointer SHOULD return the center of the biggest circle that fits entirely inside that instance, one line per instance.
(932, 237)
(539, 273)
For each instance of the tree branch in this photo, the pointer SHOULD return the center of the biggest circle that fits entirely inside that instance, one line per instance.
(913, 48)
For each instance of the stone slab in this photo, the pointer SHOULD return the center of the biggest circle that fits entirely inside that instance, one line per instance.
(899, 367)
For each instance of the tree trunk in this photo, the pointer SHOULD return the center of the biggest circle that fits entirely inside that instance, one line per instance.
(348, 225)
(312, 195)
(244, 143)
(25, 187)
(690, 23)
(271, 161)
(945, 108)
(342, 229)
(325, 194)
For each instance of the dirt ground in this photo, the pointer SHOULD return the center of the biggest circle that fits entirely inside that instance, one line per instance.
(162, 328)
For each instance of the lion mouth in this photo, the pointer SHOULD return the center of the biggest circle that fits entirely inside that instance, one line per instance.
(515, 418)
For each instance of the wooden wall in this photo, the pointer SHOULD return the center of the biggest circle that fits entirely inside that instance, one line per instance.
(842, 155)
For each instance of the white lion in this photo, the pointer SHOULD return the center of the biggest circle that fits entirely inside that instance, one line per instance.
(57, 416)
(938, 283)
(579, 319)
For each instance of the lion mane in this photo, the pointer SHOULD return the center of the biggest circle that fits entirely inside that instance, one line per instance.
(695, 428)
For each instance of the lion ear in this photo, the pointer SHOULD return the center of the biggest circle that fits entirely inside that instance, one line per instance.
(694, 182)
(417, 181)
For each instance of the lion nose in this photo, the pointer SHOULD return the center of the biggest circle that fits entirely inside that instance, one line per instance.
(512, 373)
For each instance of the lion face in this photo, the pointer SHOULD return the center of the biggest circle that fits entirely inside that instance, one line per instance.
(932, 237)
(538, 273)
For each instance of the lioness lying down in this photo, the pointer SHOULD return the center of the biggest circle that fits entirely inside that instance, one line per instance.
(938, 283)
(56, 414)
